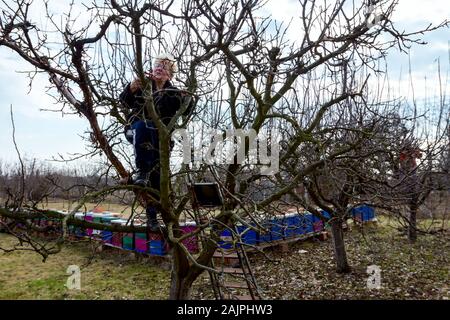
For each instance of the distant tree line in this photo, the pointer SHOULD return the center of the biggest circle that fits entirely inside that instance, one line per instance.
(41, 182)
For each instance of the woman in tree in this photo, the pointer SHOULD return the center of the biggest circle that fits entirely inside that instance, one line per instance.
(141, 130)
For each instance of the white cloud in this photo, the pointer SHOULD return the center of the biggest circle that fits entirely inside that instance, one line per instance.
(432, 11)
(38, 133)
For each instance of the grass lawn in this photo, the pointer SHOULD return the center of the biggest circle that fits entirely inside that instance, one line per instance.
(107, 275)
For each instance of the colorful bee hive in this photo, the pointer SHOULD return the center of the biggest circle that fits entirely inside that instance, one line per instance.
(157, 245)
(363, 213)
(308, 223)
(106, 234)
(248, 235)
(265, 236)
(116, 239)
(89, 217)
(293, 225)
(128, 241)
(317, 224)
(96, 218)
(78, 231)
(141, 242)
(277, 228)
(226, 239)
(190, 243)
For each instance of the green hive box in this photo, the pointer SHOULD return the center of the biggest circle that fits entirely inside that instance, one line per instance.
(127, 241)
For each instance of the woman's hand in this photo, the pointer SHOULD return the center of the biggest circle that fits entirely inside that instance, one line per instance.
(135, 85)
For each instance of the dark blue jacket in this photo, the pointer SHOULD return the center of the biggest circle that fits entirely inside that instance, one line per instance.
(167, 102)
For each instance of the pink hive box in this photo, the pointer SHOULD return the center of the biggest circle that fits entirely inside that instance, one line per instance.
(318, 226)
(191, 243)
(141, 242)
(154, 236)
(116, 239)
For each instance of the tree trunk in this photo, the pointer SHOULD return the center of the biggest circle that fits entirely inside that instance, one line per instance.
(181, 284)
(180, 288)
(412, 226)
(340, 255)
(413, 191)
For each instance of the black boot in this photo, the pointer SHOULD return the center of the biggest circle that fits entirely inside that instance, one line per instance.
(142, 179)
(153, 225)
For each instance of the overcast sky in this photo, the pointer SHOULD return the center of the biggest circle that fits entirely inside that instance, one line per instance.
(45, 134)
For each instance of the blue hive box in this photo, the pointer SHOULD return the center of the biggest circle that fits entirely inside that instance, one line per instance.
(308, 223)
(267, 236)
(249, 237)
(157, 245)
(358, 212)
(277, 228)
(293, 225)
(107, 236)
(226, 241)
(370, 213)
(363, 213)
(157, 249)
(315, 219)
(325, 214)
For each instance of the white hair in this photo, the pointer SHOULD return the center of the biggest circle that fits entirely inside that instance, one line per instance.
(169, 57)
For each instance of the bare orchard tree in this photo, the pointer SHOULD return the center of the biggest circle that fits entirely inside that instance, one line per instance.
(343, 182)
(417, 177)
(254, 73)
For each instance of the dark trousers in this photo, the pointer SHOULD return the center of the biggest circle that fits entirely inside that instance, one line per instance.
(146, 152)
(146, 145)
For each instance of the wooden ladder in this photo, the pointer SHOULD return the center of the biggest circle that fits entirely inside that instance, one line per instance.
(236, 282)
(242, 274)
